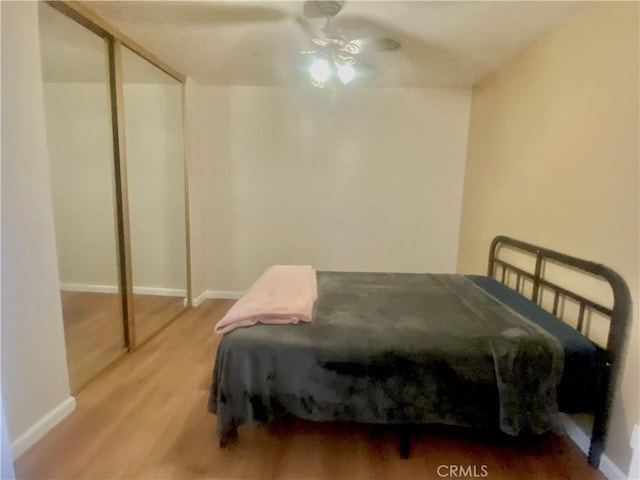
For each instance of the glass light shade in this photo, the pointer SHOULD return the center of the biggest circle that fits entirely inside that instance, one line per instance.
(320, 70)
(346, 73)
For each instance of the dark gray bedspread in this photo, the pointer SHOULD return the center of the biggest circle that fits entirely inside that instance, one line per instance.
(393, 348)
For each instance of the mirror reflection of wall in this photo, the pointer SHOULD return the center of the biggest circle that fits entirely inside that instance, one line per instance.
(80, 148)
(153, 121)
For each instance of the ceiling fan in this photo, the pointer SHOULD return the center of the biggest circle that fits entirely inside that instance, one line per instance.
(334, 54)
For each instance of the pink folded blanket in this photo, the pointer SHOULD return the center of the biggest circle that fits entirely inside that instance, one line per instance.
(283, 294)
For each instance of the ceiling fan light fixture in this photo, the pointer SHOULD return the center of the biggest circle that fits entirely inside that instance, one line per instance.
(337, 53)
(320, 70)
(346, 73)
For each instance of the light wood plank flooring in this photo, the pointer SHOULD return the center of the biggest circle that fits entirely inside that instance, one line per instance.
(147, 418)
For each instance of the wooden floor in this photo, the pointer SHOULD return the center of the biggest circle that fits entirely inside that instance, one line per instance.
(147, 418)
(94, 332)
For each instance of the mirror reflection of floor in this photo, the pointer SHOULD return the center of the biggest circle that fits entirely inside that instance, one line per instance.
(152, 312)
(94, 333)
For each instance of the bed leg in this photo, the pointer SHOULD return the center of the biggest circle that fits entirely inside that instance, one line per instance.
(229, 437)
(595, 452)
(597, 439)
(602, 417)
(405, 443)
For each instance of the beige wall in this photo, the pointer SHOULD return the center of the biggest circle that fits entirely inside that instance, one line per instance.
(371, 180)
(554, 159)
(35, 384)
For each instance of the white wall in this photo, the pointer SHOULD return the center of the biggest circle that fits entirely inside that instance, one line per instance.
(6, 457)
(203, 145)
(6, 467)
(35, 386)
(209, 188)
(370, 180)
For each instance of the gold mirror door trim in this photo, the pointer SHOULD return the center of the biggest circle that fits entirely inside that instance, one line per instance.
(124, 239)
(187, 220)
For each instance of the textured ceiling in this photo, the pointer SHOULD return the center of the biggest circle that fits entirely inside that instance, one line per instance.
(444, 44)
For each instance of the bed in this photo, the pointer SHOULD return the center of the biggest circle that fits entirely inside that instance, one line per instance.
(406, 349)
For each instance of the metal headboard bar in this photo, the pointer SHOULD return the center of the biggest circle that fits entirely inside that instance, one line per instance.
(545, 283)
(518, 270)
(618, 328)
(579, 298)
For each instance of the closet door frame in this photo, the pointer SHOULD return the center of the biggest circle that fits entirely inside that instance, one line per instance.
(115, 41)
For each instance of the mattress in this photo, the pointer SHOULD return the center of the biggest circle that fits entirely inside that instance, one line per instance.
(582, 358)
(394, 348)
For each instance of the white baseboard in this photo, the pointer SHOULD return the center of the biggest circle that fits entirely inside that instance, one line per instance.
(162, 292)
(582, 440)
(42, 426)
(79, 287)
(634, 470)
(199, 299)
(224, 294)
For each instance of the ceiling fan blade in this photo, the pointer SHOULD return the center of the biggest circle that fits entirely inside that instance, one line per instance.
(367, 69)
(311, 31)
(322, 9)
(311, 9)
(375, 44)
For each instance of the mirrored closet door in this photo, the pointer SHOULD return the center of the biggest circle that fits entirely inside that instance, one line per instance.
(81, 162)
(117, 162)
(154, 142)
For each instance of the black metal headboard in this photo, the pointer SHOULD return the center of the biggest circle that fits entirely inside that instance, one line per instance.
(619, 316)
